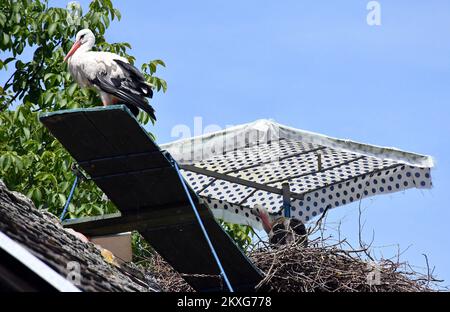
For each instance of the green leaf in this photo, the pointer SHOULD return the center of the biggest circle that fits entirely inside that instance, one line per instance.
(71, 89)
(2, 19)
(27, 133)
(2, 162)
(36, 196)
(48, 76)
(6, 162)
(19, 65)
(48, 98)
(117, 13)
(16, 30)
(152, 67)
(52, 29)
(106, 21)
(18, 164)
(6, 39)
(62, 199)
(160, 62)
(101, 28)
(163, 84)
(17, 17)
(8, 60)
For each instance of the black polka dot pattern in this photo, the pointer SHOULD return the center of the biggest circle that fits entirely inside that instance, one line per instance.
(251, 156)
(342, 178)
(350, 170)
(347, 192)
(294, 166)
(195, 180)
(273, 202)
(228, 191)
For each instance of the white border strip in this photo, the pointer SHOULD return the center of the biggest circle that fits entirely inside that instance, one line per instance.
(36, 265)
(198, 144)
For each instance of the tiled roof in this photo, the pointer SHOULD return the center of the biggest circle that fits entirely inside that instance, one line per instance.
(41, 233)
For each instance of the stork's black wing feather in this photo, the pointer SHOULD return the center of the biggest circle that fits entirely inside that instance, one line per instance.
(299, 228)
(132, 89)
(136, 77)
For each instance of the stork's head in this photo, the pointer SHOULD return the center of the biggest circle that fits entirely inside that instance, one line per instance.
(84, 40)
(263, 214)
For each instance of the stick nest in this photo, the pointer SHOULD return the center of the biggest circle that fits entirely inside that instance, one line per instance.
(293, 268)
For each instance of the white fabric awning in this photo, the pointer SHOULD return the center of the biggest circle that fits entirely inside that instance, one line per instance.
(239, 167)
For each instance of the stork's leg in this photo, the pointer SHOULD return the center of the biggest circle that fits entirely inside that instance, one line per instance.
(108, 99)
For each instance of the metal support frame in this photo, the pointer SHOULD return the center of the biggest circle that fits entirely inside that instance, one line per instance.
(205, 233)
(319, 162)
(115, 221)
(286, 200)
(69, 199)
(122, 222)
(79, 176)
(221, 176)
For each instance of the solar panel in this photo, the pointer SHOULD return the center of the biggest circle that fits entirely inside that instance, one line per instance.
(140, 179)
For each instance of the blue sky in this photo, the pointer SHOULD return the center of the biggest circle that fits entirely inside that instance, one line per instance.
(318, 66)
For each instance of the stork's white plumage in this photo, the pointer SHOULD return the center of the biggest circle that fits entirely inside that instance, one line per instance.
(111, 75)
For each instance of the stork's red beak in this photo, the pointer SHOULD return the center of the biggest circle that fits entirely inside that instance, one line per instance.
(75, 47)
(264, 216)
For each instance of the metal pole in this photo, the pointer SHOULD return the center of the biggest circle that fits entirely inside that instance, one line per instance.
(66, 206)
(286, 200)
(205, 233)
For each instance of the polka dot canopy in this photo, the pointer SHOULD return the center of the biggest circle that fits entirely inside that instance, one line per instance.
(322, 172)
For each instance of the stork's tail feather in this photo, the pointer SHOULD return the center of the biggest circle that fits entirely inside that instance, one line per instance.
(139, 102)
(146, 107)
(133, 109)
(147, 90)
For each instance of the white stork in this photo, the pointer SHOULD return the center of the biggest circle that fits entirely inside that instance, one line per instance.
(111, 75)
(282, 230)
